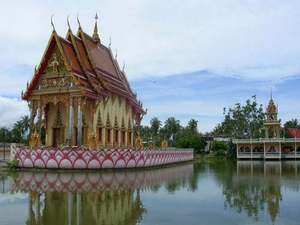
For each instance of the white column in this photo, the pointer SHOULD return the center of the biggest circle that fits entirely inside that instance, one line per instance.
(39, 126)
(79, 124)
(264, 149)
(295, 148)
(71, 122)
(280, 149)
(237, 150)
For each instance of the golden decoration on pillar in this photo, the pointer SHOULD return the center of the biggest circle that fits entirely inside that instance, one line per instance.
(164, 144)
(35, 140)
(139, 142)
(92, 143)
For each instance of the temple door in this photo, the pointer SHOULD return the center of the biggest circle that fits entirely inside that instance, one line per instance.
(56, 137)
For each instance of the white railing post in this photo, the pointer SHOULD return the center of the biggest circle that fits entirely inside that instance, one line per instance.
(13, 151)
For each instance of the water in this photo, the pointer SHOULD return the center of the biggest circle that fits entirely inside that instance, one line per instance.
(194, 193)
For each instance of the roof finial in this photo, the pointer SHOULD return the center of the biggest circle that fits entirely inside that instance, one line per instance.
(116, 55)
(68, 22)
(109, 45)
(52, 24)
(271, 94)
(95, 34)
(123, 69)
(79, 25)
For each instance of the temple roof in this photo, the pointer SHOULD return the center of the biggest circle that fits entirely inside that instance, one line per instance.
(92, 64)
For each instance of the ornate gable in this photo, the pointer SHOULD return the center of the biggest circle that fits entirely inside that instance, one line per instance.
(55, 74)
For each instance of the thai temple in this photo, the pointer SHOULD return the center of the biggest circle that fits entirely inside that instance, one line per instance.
(84, 114)
(274, 145)
(80, 96)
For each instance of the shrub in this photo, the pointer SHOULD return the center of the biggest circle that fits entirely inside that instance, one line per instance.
(220, 148)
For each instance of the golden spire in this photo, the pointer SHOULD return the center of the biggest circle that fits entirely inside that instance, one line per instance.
(52, 24)
(95, 34)
(79, 25)
(68, 22)
(109, 45)
(116, 55)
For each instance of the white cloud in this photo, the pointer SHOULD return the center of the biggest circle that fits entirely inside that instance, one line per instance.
(11, 110)
(252, 39)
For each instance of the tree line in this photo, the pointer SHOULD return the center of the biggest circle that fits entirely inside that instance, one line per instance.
(18, 133)
(174, 133)
(246, 121)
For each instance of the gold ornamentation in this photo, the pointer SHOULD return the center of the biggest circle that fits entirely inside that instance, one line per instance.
(92, 143)
(35, 141)
(139, 142)
(164, 144)
(58, 82)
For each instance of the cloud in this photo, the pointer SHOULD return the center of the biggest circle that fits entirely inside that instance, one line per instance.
(185, 60)
(11, 110)
(249, 39)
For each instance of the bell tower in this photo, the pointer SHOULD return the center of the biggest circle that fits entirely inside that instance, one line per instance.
(272, 124)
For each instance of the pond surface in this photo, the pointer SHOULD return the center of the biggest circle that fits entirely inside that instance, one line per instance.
(194, 193)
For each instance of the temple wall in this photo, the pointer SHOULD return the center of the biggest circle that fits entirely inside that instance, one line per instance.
(76, 158)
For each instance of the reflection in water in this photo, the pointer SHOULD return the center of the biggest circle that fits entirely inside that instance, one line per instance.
(93, 198)
(258, 185)
(253, 192)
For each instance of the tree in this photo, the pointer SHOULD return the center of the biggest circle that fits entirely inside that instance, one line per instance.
(293, 123)
(242, 121)
(155, 125)
(192, 125)
(188, 139)
(220, 148)
(171, 129)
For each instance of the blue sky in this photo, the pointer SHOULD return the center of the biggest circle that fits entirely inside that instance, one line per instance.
(184, 60)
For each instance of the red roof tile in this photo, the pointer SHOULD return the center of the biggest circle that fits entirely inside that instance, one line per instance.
(294, 132)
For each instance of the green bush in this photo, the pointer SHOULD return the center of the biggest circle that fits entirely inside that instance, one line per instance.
(13, 164)
(191, 140)
(220, 148)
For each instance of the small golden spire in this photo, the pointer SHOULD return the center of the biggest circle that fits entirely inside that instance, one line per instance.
(68, 22)
(123, 69)
(79, 25)
(52, 24)
(271, 94)
(109, 45)
(116, 55)
(95, 34)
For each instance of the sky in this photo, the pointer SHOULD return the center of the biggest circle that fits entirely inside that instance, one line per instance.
(187, 59)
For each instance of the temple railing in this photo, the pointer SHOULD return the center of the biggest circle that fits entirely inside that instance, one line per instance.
(266, 140)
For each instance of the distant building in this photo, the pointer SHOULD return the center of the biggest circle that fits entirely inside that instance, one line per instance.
(79, 95)
(274, 145)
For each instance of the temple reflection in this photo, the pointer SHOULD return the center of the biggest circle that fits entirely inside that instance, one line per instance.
(108, 198)
(108, 207)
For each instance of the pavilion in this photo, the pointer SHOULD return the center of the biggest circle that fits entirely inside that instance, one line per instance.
(273, 145)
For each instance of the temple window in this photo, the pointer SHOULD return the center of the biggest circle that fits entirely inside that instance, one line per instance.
(123, 137)
(129, 138)
(116, 136)
(100, 134)
(108, 136)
